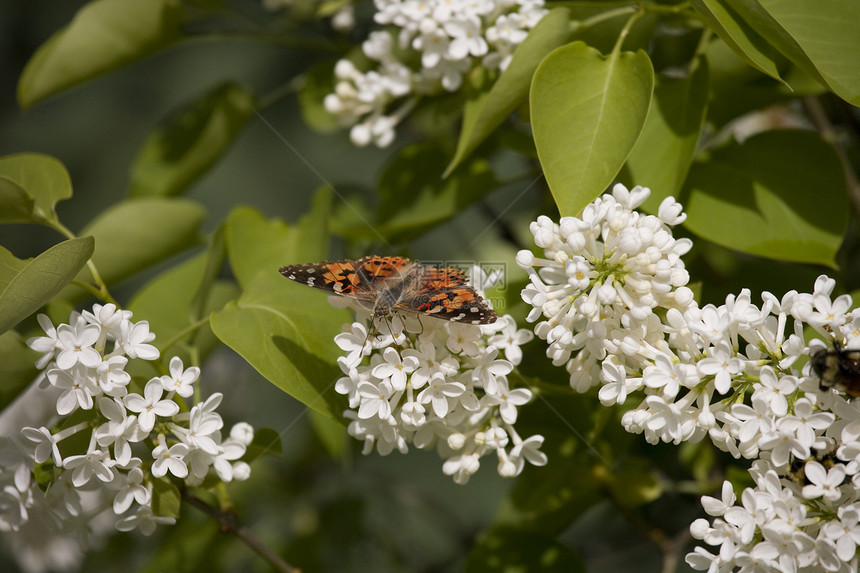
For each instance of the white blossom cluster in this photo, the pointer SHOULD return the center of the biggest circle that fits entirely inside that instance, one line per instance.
(434, 383)
(105, 444)
(617, 314)
(445, 38)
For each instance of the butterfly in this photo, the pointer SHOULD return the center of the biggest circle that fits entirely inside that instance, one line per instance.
(392, 284)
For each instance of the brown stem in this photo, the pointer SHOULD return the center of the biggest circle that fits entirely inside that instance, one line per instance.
(230, 524)
(828, 133)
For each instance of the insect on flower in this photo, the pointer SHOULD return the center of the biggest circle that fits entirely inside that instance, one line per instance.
(391, 284)
(838, 368)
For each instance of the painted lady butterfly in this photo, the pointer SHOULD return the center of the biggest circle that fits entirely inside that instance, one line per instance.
(393, 284)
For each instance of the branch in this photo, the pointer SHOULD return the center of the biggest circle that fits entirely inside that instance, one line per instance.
(828, 133)
(230, 524)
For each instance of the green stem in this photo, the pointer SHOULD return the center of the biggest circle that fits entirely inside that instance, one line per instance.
(184, 332)
(99, 289)
(608, 15)
(626, 30)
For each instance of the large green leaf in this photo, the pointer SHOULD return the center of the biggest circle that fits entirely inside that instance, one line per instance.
(168, 303)
(486, 109)
(43, 178)
(762, 198)
(735, 31)
(190, 141)
(103, 36)
(815, 36)
(665, 150)
(587, 111)
(259, 246)
(27, 286)
(283, 329)
(137, 233)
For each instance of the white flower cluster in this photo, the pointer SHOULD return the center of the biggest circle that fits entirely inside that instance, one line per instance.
(781, 524)
(108, 445)
(611, 290)
(433, 383)
(446, 39)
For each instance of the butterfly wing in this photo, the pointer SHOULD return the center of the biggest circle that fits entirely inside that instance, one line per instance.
(338, 277)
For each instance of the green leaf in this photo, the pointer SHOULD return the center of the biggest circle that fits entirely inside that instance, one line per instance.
(762, 198)
(665, 150)
(508, 549)
(317, 83)
(15, 205)
(27, 286)
(587, 112)
(486, 110)
(166, 500)
(137, 233)
(259, 246)
(430, 200)
(169, 303)
(43, 178)
(815, 36)
(283, 329)
(103, 36)
(17, 366)
(735, 31)
(190, 141)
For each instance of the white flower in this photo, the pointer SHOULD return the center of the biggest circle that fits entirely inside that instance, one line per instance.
(77, 386)
(134, 339)
(489, 372)
(180, 380)
(84, 467)
(375, 399)
(823, 483)
(112, 377)
(845, 532)
(528, 450)
(508, 400)
(119, 430)
(718, 507)
(46, 445)
(437, 394)
(76, 345)
(130, 489)
(202, 426)
(47, 345)
(170, 459)
(150, 405)
(145, 520)
(395, 368)
(509, 339)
